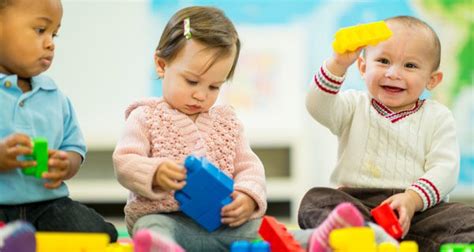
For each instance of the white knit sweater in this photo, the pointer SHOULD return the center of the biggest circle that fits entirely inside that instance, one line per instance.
(415, 149)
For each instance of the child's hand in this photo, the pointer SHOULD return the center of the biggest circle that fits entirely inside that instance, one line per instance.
(239, 210)
(13, 146)
(59, 167)
(170, 176)
(339, 63)
(406, 204)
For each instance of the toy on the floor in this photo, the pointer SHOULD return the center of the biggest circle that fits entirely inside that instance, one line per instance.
(386, 218)
(279, 238)
(40, 154)
(207, 190)
(17, 236)
(246, 246)
(353, 239)
(352, 37)
(357, 239)
(72, 242)
(457, 247)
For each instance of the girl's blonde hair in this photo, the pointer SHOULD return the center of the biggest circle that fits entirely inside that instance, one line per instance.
(208, 25)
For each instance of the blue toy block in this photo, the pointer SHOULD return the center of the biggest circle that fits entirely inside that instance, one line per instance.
(207, 190)
(246, 246)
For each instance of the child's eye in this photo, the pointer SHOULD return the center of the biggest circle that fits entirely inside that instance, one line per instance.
(410, 65)
(383, 61)
(40, 30)
(214, 87)
(190, 82)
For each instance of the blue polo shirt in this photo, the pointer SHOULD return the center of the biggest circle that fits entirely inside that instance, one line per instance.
(42, 112)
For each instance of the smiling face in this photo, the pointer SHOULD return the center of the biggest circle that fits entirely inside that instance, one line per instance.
(192, 80)
(397, 70)
(27, 29)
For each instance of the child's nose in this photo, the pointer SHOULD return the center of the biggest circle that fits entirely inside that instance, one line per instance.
(200, 95)
(49, 44)
(393, 72)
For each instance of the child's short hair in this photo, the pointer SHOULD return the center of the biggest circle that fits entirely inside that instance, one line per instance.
(4, 3)
(208, 26)
(413, 22)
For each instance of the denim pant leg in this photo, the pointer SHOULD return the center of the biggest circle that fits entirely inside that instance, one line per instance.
(66, 215)
(192, 237)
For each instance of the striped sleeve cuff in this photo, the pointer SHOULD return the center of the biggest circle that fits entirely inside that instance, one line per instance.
(427, 191)
(327, 81)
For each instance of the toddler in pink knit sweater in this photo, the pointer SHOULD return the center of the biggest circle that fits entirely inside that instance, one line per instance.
(196, 55)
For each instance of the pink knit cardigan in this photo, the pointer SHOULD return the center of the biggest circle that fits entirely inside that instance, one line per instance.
(155, 132)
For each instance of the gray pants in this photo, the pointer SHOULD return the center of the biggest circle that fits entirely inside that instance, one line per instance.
(193, 237)
(442, 223)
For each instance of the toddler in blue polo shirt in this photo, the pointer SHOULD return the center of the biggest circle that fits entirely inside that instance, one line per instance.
(32, 106)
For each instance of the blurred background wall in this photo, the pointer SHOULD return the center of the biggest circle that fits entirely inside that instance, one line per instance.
(104, 61)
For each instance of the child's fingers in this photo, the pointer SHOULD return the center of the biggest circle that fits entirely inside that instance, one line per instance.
(53, 184)
(175, 174)
(54, 175)
(19, 150)
(18, 139)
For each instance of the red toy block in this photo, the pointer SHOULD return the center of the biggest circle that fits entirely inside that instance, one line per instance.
(386, 218)
(276, 234)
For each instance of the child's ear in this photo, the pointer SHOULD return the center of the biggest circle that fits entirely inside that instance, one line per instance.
(361, 65)
(435, 78)
(160, 65)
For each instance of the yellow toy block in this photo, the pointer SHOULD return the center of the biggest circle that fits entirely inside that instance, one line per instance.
(120, 247)
(71, 242)
(408, 246)
(387, 247)
(352, 37)
(353, 239)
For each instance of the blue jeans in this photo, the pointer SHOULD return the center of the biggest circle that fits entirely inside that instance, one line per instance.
(59, 215)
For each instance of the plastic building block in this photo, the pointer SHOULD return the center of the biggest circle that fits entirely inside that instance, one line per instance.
(386, 218)
(119, 247)
(408, 246)
(457, 247)
(387, 247)
(207, 190)
(352, 37)
(276, 234)
(246, 246)
(353, 239)
(17, 236)
(40, 154)
(71, 242)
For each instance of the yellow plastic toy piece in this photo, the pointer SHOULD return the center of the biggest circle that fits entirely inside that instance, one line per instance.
(387, 247)
(353, 239)
(408, 246)
(352, 37)
(71, 242)
(120, 247)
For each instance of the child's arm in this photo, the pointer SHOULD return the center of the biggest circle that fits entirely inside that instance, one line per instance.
(324, 102)
(249, 182)
(134, 168)
(442, 158)
(13, 146)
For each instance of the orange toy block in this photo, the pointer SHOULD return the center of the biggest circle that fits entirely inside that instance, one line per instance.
(276, 234)
(350, 38)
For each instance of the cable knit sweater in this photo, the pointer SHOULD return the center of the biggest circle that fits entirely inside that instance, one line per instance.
(414, 149)
(155, 132)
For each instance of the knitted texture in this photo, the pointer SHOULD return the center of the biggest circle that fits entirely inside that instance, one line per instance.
(155, 132)
(414, 149)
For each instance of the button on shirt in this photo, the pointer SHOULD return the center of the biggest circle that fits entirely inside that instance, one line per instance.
(42, 112)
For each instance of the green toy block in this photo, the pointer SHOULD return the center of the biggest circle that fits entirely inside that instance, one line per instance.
(40, 154)
(352, 37)
(457, 247)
